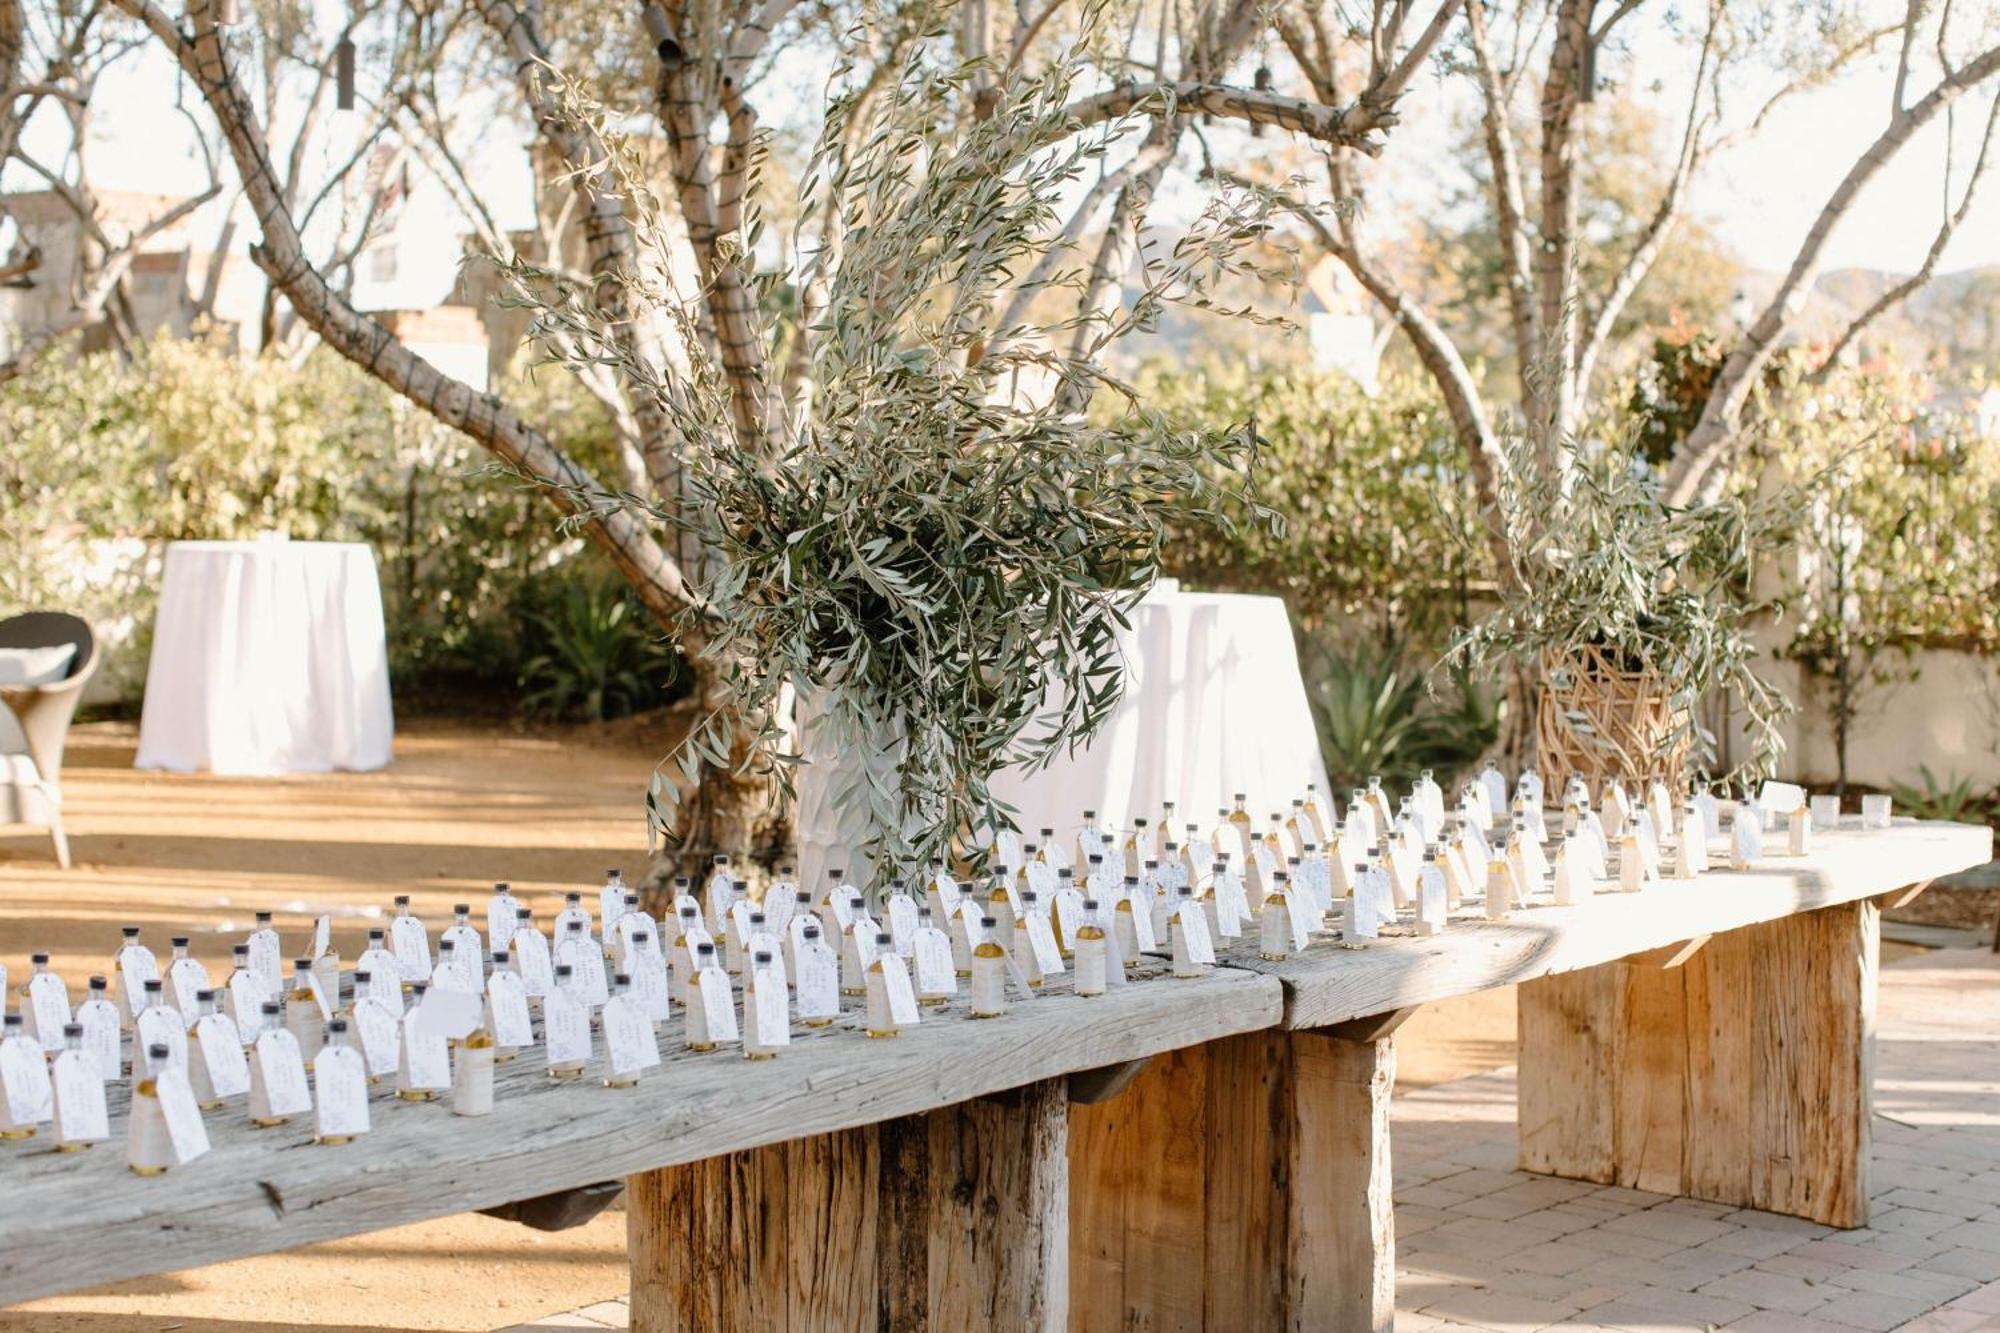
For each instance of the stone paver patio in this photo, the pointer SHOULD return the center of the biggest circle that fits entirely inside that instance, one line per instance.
(1483, 1246)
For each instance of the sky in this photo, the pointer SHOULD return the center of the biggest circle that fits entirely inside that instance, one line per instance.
(1760, 199)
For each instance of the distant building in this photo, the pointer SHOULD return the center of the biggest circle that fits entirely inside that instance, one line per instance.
(197, 272)
(1340, 323)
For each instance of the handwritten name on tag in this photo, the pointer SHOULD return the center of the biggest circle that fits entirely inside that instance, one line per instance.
(48, 1008)
(24, 1082)
(718, 1003)
(502, 917)
(222, 1055)
(340, 1077)
(136, 967)
(186, 1134)
(507, 1010)
(162, 1026)
(565, 1029)
(1194, 930)
(426, 1057)
(1299, 913)
(903, 922)
(896, 984)
(818, 980)
(102, 1037)
(530, 955)
(185, 976)
(381, 1035)
(1042, 941)
(80, 1113)
(412, 948)
(768, 1013)
(1431, 910)
(283, 1072)
(267, 959)
(628, 1037)
(931, 953)
(384, 986)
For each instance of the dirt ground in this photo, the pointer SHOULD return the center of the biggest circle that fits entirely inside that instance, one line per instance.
(463, 805)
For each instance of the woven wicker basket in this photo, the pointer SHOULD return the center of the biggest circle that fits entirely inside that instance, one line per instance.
(1603, 723)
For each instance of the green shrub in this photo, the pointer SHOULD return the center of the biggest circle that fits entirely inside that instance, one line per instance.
(1377, 507)
(109, 458)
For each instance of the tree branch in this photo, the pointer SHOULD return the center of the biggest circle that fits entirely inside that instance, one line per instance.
(1693, 467)
(203, 58)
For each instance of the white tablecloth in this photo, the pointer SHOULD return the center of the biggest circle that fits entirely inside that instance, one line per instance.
(1213, 705)
(268, 657)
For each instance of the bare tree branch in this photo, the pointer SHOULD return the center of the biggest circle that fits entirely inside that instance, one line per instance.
(1898, 292)
(1694, 466)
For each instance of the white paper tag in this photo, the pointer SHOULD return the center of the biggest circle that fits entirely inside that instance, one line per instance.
(931, 952)
(718, 1003)
(283, 1072)
(267, 959)
(340, 1079)
(185, 1132)
(507, 1007)
(629, 1044)
(48, 1008)
(769, 1013)
(818, 980)
(222, 1054)
(412, 948)
(1430, 898)
(501, 917)
(24, 1074)
(530, 956)
(161, 1027)
(947, 891)
(322, 936)
(903, 922)
(1300, 913)
(780, 901)
(1747, 832)
(586, 964)
(1068, 910)
(1194, 929)
(469, 951)
(1042, 942)
(610, 906)
(136, 967)
(380, 1034)
(185, 976)
(1232, 905)
(246, 1003)
(78, 1104)
(102, 1037)
(426, 1057)
(896, 983)
(449, 1015)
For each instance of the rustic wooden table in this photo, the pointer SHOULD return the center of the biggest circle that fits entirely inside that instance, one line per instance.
(1206, 1154)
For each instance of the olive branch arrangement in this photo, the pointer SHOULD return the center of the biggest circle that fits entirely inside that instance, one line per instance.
(935, 546)
(1601, 568)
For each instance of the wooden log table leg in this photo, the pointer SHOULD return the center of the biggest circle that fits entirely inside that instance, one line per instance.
(952, 1220)
(1237, 1185)
(1739, 1073)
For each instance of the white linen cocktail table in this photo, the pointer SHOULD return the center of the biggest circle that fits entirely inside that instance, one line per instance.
(268, 657)
(1214, 705)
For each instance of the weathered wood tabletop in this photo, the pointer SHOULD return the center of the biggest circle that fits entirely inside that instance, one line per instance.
(68, 1221)
(75, 1220)
(1330, 984)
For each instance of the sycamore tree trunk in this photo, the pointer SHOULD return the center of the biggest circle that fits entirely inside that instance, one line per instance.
(731, 812)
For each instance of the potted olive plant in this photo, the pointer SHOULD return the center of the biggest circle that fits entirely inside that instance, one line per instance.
(1627, 616)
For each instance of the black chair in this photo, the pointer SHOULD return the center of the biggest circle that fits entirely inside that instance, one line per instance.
(44, 713)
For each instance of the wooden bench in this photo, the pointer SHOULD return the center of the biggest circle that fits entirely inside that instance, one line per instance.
(1029, 1173)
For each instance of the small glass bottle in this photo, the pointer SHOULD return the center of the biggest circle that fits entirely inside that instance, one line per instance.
(1274, 924)
(336, 1037)
(303, 1017)
(1090, 952)
(149, 1149)
(989, 973)
(881, 1021)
